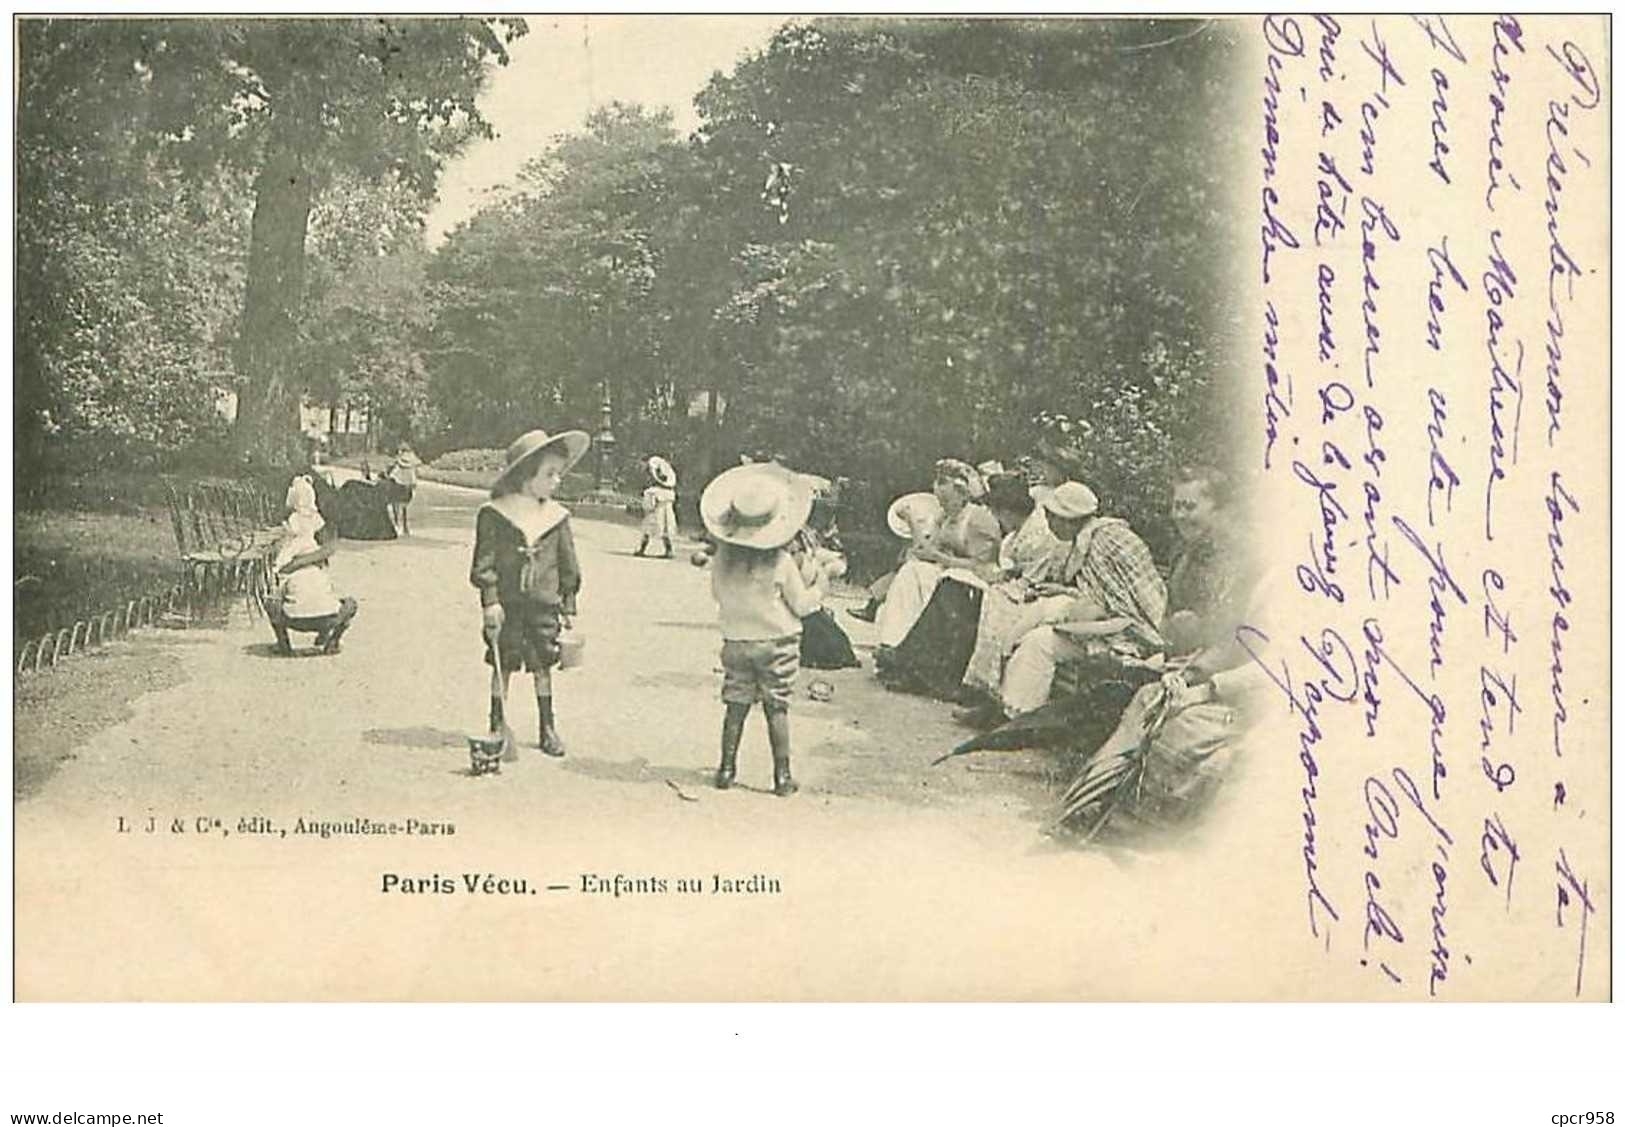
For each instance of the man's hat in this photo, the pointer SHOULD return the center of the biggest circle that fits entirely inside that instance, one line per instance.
(1071, 500)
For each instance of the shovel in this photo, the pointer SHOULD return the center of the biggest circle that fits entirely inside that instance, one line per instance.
(488, 752)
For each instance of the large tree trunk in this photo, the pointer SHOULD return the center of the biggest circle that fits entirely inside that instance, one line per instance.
(268, 406)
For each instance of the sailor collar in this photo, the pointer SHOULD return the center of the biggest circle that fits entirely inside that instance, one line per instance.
(532, 519)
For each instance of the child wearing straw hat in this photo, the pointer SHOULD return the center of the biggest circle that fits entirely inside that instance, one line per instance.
(527, 572)
(659, 505)
(753, 512)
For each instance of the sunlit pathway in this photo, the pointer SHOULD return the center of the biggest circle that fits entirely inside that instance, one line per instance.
(227, 764)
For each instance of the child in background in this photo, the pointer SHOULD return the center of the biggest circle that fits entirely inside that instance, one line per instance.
(659, 505)
(304, 599)
(753, 512)
(526, 570)
(403, 471)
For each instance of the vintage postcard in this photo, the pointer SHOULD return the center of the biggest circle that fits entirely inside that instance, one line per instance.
(771, 508)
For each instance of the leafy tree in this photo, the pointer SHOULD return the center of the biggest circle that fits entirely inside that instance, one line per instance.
(362, 343)
(125, 305)
(888, 241)
(546, 301)
(967, 230)
(365, 309)
(287, 104)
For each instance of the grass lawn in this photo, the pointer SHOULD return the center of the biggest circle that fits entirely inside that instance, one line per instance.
(478, 469)
(472, 479)
(69, 565)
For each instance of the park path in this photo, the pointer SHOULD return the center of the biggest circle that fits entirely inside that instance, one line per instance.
(896, 878)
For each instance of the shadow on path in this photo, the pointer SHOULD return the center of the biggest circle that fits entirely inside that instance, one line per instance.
(269, 650)
(422, 736)
(639, 770)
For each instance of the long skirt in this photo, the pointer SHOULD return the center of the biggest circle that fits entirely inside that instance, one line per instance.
(1180, 766)
(824, 645)
(909, 594)
(364, 510)
(911, 589)
(1004, 622)
(661, 522)
(931, 658)
(1186, 762)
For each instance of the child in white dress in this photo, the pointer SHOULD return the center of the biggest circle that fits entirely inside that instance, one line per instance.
(659, 506)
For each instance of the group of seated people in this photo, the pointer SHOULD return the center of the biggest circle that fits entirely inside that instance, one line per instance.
(1015, 588)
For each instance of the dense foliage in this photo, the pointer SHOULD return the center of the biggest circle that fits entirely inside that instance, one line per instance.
(170, 172)
(887, 241)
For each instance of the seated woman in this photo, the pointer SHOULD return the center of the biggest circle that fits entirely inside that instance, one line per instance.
(965, 545)
(1103, 601)
(365, 509)
(1035, 594)
(932, 658)
(911, 519)
(817, 550)
(1177, 738)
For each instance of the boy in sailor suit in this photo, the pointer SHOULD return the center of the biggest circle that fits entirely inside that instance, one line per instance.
(526, 570)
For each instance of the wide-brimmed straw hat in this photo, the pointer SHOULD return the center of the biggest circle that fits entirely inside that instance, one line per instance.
(662, 471)
(756, 506)
(523, 450)
(1071, 500)
(922, 506)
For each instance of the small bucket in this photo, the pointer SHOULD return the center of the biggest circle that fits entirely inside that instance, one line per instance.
(572, 650)
(485, 754)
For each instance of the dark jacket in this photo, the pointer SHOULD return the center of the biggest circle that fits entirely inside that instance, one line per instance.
(524, 552)
(1207, 590)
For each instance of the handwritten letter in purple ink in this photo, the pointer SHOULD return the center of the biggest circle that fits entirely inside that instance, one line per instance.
(1428, 399)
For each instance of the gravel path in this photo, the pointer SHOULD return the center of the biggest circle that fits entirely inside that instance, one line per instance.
(894, 878)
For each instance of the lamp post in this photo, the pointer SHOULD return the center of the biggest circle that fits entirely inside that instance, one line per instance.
(605, 441)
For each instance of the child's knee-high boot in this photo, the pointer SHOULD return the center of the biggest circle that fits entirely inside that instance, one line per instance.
(552, 743)
(666, 540)
(642, 544)
(783, 785)
(778, 734)
(733, 727)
